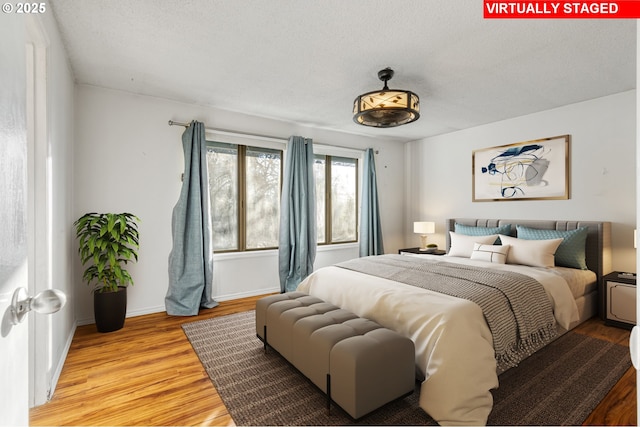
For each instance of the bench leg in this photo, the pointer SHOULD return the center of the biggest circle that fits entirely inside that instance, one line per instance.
(264, 332)
(328, 394)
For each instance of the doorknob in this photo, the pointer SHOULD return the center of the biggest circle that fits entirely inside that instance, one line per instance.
(46, 302)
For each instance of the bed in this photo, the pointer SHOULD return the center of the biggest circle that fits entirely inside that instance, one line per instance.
(458, 357)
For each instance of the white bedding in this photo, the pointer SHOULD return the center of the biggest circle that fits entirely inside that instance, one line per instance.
(581, 282)
(454, 346)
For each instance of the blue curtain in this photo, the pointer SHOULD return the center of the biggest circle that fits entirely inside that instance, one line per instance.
(191, 259)
(370, 228)
(297, 248)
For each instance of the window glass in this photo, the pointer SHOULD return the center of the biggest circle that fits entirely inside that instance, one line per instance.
(263, 184)
(244, 185)
(319, 171)
(336, 198)
(344, 173)
(222, 163)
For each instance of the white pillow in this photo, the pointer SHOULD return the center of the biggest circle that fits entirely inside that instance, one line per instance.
(462, 245)
(490, 253)
(536, 253)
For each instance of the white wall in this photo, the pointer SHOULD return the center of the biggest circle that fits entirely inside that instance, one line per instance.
(603, 171)
(127, 158)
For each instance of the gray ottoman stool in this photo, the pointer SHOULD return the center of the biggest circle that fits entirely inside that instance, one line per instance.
(359, 364)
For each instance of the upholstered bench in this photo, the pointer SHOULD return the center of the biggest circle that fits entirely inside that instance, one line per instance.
(358, 364)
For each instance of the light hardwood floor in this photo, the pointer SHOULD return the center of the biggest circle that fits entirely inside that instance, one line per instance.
(148, 374)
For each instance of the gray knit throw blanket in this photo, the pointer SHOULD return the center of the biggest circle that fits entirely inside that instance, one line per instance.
(515, 306)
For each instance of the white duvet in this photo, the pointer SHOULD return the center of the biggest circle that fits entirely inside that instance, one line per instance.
(454, 347)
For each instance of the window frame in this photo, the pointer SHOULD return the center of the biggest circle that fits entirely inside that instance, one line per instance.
(339, 152)
(242, 143)
(259, 141)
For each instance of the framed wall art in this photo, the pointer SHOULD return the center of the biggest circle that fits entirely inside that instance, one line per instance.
(530, 170)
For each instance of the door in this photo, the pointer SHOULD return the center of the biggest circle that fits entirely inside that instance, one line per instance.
(14, 340)
(39, 210)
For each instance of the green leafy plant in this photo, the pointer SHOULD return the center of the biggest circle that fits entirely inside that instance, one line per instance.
(107, 241)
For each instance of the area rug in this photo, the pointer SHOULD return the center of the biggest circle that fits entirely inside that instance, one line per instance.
(559, 385)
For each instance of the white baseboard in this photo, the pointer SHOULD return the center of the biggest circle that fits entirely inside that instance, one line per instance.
(146, 310)
(161, 308)
(130, 313)
(247, 294)
(63, 357)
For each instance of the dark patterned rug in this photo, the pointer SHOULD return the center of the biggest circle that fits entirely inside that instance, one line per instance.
(559, 385)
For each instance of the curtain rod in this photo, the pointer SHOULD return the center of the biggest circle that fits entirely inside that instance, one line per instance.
(231, 132)
(250, 135)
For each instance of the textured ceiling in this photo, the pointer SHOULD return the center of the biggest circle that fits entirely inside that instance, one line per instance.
(306, 61)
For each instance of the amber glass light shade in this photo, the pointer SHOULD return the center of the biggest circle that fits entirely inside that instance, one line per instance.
(387, 107)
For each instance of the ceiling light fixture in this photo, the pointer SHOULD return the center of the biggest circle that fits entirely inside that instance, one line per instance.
(388, 107)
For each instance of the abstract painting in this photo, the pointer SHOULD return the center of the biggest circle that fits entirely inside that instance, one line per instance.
(532, 170)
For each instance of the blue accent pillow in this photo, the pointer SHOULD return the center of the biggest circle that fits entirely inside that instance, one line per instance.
(570, 253)
(471, 230)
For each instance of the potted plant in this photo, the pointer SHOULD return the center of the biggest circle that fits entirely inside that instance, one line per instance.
(107, 241)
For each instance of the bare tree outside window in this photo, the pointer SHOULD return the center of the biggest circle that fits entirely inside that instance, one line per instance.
(263, 183)
(244, 184)
(222, 165)
(336, 199)
(343, 199)
(319, 172)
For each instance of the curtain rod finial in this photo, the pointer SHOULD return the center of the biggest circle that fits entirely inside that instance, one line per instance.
(174, 123)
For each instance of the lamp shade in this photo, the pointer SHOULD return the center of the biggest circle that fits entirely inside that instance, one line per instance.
(424, 227)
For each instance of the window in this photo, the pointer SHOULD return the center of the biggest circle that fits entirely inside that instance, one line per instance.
(336, 199)
(244, 186)
(245, 183)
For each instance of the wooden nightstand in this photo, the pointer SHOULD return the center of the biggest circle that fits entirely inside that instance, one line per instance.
(418, 251)
(619, 299)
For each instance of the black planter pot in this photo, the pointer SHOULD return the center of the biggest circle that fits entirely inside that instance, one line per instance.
(110, 309)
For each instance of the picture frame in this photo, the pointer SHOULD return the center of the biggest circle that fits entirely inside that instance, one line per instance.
(529, 170)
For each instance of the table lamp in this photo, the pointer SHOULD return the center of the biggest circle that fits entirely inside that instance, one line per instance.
(423, 228)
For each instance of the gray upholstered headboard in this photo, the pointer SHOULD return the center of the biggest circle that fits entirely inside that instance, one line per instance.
(598, 248)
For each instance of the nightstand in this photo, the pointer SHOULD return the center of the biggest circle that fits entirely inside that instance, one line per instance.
(619, 299)
(418, 251)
